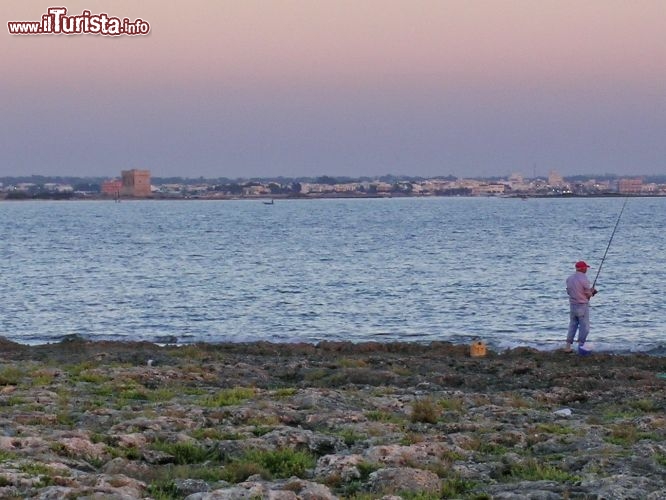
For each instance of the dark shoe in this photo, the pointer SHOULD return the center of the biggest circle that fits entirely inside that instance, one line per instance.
(583, 352)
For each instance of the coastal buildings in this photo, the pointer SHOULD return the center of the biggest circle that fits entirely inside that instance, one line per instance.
(136, 183)
(489, 189)
(555, 179)
(133, 183)
(630, 186)
(111, 187)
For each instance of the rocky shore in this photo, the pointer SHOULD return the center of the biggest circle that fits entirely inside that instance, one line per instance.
(105, 420)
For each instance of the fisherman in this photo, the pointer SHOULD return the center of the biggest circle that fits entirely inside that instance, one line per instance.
(580, 291)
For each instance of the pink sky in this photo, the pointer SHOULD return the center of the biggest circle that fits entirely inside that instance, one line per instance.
(339, 87)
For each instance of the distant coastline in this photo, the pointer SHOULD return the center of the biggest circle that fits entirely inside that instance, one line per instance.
(318, 196)
(514, 186)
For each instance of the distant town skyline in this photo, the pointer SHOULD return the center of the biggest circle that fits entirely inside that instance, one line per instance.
(139, 184)
(296, 88)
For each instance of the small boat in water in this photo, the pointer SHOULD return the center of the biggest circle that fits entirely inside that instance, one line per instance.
(268, 202)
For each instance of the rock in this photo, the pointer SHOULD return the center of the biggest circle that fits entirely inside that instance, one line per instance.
(132, 468)
(189, 486)
(343, 467)
(620, 487)
(134, 440)
(119, 484)
(404, 479)
(290, 437)
(422, 454)
(564, 412)
(529, 490)
(83, 447)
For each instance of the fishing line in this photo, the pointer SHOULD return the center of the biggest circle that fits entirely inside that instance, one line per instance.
(609, 241)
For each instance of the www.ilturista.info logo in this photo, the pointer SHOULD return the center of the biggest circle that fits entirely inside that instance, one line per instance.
(57, 22)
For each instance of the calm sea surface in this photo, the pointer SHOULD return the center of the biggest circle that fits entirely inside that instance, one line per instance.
(446, 269)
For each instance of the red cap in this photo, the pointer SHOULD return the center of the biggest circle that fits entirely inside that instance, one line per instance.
(581, 264)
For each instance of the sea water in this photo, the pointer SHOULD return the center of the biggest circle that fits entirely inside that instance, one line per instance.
(384, 270)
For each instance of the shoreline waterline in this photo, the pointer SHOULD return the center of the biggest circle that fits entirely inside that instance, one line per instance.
(409, 346)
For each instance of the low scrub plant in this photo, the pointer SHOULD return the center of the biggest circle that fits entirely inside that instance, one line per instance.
(187, 453)
(162, 481)
(216, 434)
(164, 489)
(350, 436)
(425, 410)
(6, 456)
(660, 458)
(261, 430)
(133, 394)
(45, 473)
(456, 486)
(450, 456)
(229, 397)
(10, 375)
(645, 405)
(42, 378)
(410, 438)
(367, 468)
(532, 470)
(239, 470)
(77, 368)
(419, 495)
(626, 434)
(160, 394)
(518, 401)
(382, 416)
(16, 401)
(483, 446)
(451, 404)
(285, 392)
(91, 376)
(280, 463)
(285, 462)
(615, 414)
(352, 363)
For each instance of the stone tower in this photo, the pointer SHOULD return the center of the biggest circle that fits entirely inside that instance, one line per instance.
(136, 183)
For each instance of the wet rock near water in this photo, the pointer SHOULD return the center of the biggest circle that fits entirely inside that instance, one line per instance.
(123, 420)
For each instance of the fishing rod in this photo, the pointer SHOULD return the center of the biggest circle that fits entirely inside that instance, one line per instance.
(609, 241)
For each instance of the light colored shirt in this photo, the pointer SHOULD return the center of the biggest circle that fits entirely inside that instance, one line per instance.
(578, 288)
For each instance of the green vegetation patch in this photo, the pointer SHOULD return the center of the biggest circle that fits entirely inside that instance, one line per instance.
(188, 452)
(162, 483)
(532, 470)
(383, 416)
(456, 487)
(281, 463)
(351, 436)
(626, 434)
(425, 410)
(660, 458)
(451, 404)
(285, 392)
(229, 397)
(552, 428)
(645, 405)
(11, 375)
